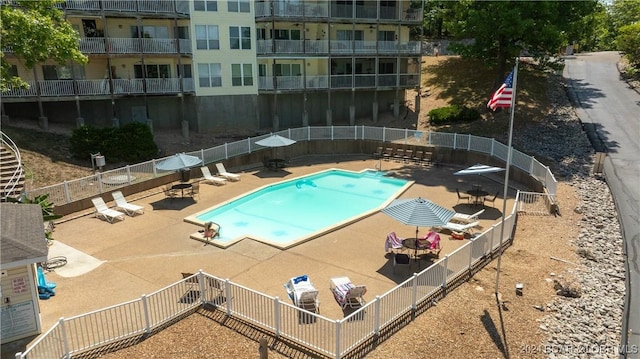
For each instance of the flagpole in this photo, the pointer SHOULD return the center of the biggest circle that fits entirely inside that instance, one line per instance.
(506, 174)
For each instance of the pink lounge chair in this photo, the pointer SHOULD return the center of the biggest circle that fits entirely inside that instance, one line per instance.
(393, 242)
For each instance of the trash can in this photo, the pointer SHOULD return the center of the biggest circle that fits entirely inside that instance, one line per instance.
(185, 175)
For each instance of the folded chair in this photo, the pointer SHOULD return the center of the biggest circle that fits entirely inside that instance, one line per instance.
(228, 175)
(102, 211)
(393, 242)
(303, 294)
(208, 177)
(346, 293)
(467, 218)
(122, 204)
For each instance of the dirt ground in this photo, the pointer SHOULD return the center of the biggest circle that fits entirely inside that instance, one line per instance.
(468, 322)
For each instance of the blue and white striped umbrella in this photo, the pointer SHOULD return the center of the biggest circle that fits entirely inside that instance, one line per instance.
(418, 212)
(478, 169)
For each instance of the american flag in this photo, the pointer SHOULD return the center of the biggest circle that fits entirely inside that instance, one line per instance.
(502, 96)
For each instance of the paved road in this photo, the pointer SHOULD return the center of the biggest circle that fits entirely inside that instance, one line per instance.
(609, 107)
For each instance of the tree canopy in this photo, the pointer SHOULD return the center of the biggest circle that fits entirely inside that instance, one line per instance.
(503, 30)
(34, 32)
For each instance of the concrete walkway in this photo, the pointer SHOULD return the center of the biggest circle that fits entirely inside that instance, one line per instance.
(113, 263)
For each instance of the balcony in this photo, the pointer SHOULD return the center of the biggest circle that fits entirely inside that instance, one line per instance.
(146, 6)
(321, 82)
(338, 47)
(148, 46)
(62, 88)
(286, 10)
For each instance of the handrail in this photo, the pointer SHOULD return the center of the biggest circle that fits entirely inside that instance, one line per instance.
(9, 188)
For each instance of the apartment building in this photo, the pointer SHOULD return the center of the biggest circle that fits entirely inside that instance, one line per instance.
(210, 65)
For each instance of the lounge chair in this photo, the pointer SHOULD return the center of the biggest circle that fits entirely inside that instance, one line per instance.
(303, 294)
(346, 293)
(228, 175)
(467, 218)
(393, 242)
(457, 227)
(122, 204)
(104, 212)
(209, 178)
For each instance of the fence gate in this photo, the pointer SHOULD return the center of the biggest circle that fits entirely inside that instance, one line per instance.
(541, 204)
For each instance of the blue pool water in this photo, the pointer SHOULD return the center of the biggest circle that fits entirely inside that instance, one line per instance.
(294, 210)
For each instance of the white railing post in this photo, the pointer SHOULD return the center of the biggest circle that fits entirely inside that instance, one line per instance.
(226, 151)
(249, 143)
(276, 315)
(384, 134)
(67, 195)
(493, 141)
(376, 317)
(473, 243)
(469, 143)
(338, 336)
(155, 171)
(455, 140)
(289, 132)
(414, 292)
(227, 294)
(145, 308)
(429, 137)
(362, 138)
(128, 170)
(444, 273)
(491, 241)
(202, 156)
(65, 340)
(406, 135)
(308, 133)
(99, 180)
(203, 296)
(331, 132)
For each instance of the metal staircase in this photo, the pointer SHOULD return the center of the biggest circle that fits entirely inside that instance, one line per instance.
(12, 180)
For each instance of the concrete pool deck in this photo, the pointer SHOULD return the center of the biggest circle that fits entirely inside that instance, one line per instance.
(148, 252)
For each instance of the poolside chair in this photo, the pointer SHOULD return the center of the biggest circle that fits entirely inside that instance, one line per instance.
(170, 192)
(401, 259)
(122, 204)
(209, 178)
(378, 153)
(104, 212)
(457, 227)
(346, 293)
(467, 218)
(430, 243)
(393, 242)
(303, 294)
(228, 175)
(462, 197)
(492, 200)
(194, 190)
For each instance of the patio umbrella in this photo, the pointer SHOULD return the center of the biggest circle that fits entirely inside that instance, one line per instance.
(478, 169)
(418, 212)
(178, 161)
(275, 141)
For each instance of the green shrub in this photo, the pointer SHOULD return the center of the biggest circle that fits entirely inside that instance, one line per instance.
(130, 143)
(454, 113)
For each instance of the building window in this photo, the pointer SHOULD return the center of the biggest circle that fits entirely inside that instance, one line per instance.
(208, 5)
(62, 72)
(207, 37)
(209, 75)
(184, 71)
(239, 6)
(12, 71)
(287, 70)
(150, 32)
(241, 75)
(152, 71)
(240, 37)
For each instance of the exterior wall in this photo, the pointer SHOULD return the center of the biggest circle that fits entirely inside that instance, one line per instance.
(235, 113)
(225, 56)
(21, 314)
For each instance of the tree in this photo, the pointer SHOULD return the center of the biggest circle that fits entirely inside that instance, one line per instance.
(629, 43)
(503, 30)
(35, 31)
(625, 12)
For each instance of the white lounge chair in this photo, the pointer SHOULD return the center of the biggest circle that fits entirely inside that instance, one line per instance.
(122, 204)
(346, 293)
(208, 177)
(303, 293)
(467, 218)
(102, 211)
(457, 227)
(228, 175)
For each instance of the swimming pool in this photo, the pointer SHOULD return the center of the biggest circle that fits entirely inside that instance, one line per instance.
(293, 211)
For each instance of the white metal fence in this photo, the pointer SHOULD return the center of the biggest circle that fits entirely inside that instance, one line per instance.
(91, 186)
(335, 338)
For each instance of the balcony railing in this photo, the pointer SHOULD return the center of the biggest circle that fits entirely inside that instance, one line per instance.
(308, 10)
(340, 47)
(337, 81)
(146, 6)
(96, 45)
(56, 88)
(92, 45)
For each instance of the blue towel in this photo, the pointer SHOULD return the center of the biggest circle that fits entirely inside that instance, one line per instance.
(302, 278)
